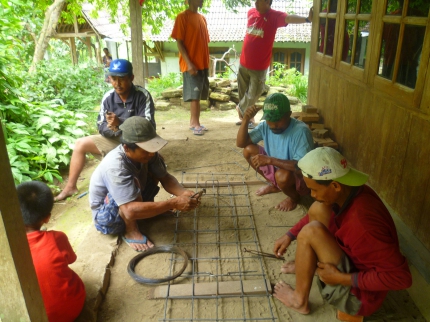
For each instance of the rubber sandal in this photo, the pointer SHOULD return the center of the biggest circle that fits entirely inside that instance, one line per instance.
(135, 241)
(198, 131)
(251, 126)
(239, 123)
(201, 126)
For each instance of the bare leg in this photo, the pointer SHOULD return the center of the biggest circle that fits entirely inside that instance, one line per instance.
(240, 116)
(82, 146)
(287, 182)
(195, 113)
(314, 242)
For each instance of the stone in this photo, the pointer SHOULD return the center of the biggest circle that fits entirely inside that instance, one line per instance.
(162, 105)
(320, 133)
(309, 109)
(309, 117)
(317, 126)
(172, 92)
(224, 90)
(293, 100)
(225, 106)
(223, 83)
(220, 97)
(204, 105)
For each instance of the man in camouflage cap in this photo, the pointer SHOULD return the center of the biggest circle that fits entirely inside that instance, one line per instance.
(286, 141)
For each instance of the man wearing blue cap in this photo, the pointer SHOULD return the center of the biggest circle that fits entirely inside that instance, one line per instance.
(286, 141)
(348, 238)
(118, 104)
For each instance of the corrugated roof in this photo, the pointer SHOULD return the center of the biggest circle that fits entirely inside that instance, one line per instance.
(223, 25)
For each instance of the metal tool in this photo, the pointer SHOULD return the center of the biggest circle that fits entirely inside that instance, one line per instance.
(262, 254)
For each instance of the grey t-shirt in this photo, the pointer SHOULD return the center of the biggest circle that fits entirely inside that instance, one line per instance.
(117, 175)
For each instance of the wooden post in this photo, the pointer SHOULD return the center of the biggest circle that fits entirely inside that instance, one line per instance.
(20, 298)
(88, 43)
(136, 42)
(73, 51)
(146, 60)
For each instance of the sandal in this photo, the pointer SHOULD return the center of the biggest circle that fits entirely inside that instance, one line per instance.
(198, 131)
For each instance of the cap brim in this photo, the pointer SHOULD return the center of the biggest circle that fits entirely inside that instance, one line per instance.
(153, 145)
(353, 178)
(117, 74)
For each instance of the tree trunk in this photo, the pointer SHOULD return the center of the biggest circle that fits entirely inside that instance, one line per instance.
(52, 16)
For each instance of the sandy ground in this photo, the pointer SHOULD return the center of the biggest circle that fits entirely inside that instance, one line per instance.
(112, 295)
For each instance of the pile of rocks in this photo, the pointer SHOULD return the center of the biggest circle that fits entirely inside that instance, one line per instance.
(223, 95)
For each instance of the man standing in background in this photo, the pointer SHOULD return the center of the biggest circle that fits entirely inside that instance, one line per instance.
(191, 34)
(263, 22)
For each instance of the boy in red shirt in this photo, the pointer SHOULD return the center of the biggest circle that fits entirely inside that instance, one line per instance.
(62, 290)
(348, 238)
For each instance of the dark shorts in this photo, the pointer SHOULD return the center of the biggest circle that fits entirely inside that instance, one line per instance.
(109, 221)
(340, 295)
(269, 174)
(196, 87)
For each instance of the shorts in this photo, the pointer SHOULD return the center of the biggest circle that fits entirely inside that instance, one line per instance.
(103, 144)
(340, 295)
(109, 221)
(269, 174)
(250, 85)
(196, 87)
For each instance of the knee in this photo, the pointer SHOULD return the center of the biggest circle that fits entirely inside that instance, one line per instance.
(84, 145)
(311, 231)
(249, 151)
(284, 178)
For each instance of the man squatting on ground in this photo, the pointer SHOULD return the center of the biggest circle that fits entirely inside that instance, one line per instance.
(348, 238)
(256, 55)
(123, 186)
(191, 34)
(286, 140)
(118, 104)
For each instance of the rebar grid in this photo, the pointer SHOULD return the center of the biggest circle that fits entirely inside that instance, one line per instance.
(214, 236)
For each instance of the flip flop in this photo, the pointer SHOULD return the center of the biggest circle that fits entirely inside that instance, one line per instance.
(198, 131)
(201, 127)
(135, 241)
(251, 126)
(239, 123)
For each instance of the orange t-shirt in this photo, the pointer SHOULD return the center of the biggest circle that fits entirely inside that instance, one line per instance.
(191, 28)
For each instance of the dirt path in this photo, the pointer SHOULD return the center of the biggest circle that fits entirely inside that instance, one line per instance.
(102, 262)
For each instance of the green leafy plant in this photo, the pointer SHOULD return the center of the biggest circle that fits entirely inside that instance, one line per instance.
(296, 84)
(157, 85)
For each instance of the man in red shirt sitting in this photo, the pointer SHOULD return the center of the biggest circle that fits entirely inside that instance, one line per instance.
(348, 238)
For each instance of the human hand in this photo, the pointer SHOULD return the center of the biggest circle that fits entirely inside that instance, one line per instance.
(260, 160)
(188, 193)
(311, 14)
(185, 203)
(281, 245)
(192, 69)
(250, 113)
(112, 120)
(328, 273)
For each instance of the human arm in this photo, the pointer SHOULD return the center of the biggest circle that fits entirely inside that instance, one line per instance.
(64, 246)
(107, 120)
(191, 68)
(261, 160)
(299, 19)
(282, 243)
(243, 139)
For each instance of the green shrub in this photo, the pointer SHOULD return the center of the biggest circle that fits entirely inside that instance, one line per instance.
(294, 81)
(157, 85)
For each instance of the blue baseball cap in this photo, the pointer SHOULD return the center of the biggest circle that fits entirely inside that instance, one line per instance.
(120, 67)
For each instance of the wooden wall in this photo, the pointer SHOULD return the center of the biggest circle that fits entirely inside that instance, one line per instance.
(387, 140)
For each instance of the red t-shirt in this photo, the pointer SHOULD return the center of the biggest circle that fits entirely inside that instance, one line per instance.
(366, 233)
(191, 28)
(62, 290)
(260, 35)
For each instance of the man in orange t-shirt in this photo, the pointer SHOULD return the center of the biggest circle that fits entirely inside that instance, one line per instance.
(191, 34)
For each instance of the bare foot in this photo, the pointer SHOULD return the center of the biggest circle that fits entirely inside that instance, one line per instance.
(136, 240)
(286, 294)
(266, 190)
(289, 268)
(66, 193)
(287, 204)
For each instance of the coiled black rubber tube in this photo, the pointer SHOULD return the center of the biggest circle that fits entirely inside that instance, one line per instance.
(155, 250)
